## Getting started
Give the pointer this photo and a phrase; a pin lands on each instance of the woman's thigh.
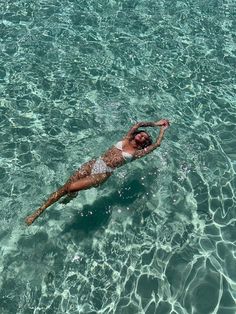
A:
(88, 182)
(82, 172)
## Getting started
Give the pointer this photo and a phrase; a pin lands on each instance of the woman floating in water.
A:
(135, 144)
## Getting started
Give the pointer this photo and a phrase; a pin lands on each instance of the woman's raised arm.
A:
(138, 125)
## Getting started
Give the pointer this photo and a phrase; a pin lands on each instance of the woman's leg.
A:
(70, 187)
(87, 182)
(84, 171)
(51, 200)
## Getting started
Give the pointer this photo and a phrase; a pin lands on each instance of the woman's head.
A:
(142, 138)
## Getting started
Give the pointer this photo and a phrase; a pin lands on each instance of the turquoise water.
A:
(160, 235)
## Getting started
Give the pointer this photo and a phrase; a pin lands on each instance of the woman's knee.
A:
(81, 184)
(87, 182)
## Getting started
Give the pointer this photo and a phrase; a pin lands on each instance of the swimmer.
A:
(135, 144)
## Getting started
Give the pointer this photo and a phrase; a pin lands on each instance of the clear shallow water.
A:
(159, 236)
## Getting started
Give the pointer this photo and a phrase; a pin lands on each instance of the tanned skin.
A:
(82, 179)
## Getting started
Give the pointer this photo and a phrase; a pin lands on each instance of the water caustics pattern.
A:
(160, 235)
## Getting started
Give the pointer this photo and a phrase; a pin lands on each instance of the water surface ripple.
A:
(160, 236)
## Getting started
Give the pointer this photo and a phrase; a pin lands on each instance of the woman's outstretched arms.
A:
(138, 125)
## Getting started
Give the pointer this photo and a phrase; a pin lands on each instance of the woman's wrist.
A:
(163, 123)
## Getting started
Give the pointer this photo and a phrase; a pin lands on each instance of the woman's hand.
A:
(164, 123)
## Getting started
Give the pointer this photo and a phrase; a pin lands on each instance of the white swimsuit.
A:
(127, 156)
(100, 165)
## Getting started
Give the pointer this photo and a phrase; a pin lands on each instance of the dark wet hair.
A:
(148, 141)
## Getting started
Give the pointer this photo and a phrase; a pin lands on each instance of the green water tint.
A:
(159, 235)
